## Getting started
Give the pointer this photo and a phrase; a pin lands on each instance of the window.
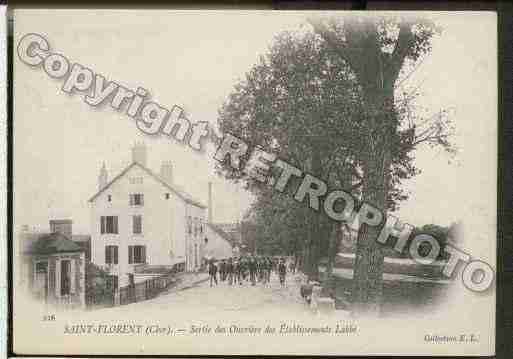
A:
(136, 254)
(136, 180)
(109, 198)
(112, 282)
(111, 254)
(195, 255)
(137, 224)
(65, 277)
(41, 267)
(167, 195)
(136, 199)
(189, 224)
(201, 226)
(109, 224)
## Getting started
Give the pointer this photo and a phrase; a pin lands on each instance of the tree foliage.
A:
(378, 50)
(296, 100)
(327, 101)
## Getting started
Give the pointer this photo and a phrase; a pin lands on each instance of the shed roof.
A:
(53, 243)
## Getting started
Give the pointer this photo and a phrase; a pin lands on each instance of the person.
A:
(269, 269)
(261, 269)
(236, 271)
(229, 270)
(245, 273)
(222, 270)
(243, 268)
(306, 290)
(292, 267)
(252, 270)
(212, 271)
(282, 272)
(264, 270)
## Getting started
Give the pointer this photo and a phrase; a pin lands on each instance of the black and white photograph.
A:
(220, 182)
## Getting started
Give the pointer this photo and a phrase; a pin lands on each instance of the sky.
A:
(194, 59)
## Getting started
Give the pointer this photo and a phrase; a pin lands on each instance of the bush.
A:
(97, 289)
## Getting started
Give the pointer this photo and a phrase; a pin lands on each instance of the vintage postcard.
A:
(254, 182)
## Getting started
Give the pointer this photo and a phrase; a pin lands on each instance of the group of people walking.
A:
(250, 269)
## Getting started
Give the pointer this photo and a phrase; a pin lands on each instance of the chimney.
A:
(103, 177)
(62, 226)
(139, 153)
(166, 172)
(210, 202)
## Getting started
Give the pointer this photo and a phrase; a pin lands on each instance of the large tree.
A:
(378, 50)
(326, 102)
(299, 102)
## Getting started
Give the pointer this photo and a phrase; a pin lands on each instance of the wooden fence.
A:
(148, 289)
(132, 293)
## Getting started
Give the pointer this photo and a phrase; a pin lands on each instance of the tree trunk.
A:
(328, 282)
(376, 72)
(367, 292)
(314, 219)
(333, 249)
(304, 266)
(313, 257)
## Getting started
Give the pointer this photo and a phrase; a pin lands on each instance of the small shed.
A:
(55, 269)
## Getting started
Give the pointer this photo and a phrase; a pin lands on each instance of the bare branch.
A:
(404, 44)
(331, 38)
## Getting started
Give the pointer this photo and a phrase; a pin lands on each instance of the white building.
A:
(142, 219)
(218, 244)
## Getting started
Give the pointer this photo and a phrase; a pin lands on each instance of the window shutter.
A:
(57, 278)
(130, 254)
(115, 254)
(137, 224)
(115, 224)
(107, 255)
(143, 254)
(137, 220)
(102, 225)
(72, 276)
(142, 199)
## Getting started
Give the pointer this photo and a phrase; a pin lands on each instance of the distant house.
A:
(231, 228)
(142, 219)
(53, 268)
(233, 231)
(218, 244)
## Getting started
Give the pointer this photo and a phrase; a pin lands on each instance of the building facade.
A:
(53, 269)
(141, 218)
(218, 244)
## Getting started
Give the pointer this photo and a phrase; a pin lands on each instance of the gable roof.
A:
(226, 236)
(53, 243)
(173, 188)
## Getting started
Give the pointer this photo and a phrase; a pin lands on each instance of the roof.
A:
(61, 221)
(175, 189)
(222, 233)
(80, 238)
(53, 243)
